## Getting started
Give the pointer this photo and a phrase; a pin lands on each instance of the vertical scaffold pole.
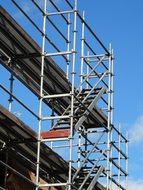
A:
(72, 93)
(87, 70)
(81, 80)
(79, 149)
(127, 154)
(82, 50)
(111, 70)
(11, 91)
(41, 95)
(109, 122)
(119, 155)
(68, 44)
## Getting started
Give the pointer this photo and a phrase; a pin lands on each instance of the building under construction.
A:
(56, 106)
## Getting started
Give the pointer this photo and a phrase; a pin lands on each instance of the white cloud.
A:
(136, 185)
(136, 132)
(132, 185)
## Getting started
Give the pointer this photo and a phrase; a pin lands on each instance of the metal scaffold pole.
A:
(82, 50)
(109, 127)
(119, 156)
(68, 44)
(72, 94)
(11, 91)
(111, 72)
(41, 95)
(127, 159)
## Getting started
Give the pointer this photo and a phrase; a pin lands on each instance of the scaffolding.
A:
(72, 76)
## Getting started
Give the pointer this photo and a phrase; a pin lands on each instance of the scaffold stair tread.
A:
(89, 109)
(85, 182)
(81, 112)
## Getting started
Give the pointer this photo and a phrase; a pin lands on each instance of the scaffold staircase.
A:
(85, 100)
(87, 175)
(87, 179)
(83, 105)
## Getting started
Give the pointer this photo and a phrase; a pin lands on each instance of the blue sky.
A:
(120, 22)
